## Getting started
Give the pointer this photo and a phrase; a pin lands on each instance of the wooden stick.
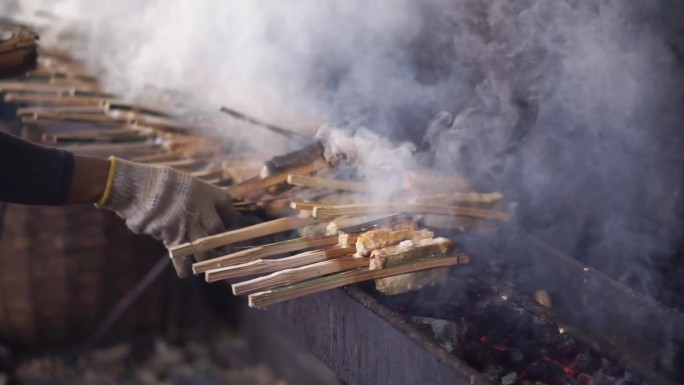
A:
(110, 147)
(46, 74)
(43, 87)
(246, 233)
(86, 118)
(79, 84)
(308, 181)
(216, 181)
(53, 99)
(292, 276)
(163, 124)
(241, 190)
(304, 206)
(169, 156)
(104, 134)
(181, 164)
(118, 105)
(264, 251)
(208, 173)
(334, 211)
(472, 197)
(434, 181)
(78, 109)
(270, 297)
(264, 266)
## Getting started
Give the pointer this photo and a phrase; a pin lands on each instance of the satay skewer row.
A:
(308, 181)
(295, 275)
(53, 100)
(270, 297)
(279, 225)
(256, 184)
(262, 251)
(265, 266)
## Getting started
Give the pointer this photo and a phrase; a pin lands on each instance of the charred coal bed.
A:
(489, 324)
(512, 344)
(482, 316)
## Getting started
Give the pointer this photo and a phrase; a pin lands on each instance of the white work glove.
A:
(170, 205)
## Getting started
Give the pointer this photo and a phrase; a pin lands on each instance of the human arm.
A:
(167, 204)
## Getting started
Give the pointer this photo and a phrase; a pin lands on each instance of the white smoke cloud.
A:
(569, 107)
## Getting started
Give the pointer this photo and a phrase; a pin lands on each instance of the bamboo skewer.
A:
(44, 88)
(334, 211)
(49, 74)
(270, 297)
(246, 233)
(104, 134)
(78, 109)
(264, 266)
(461, 198)
(181, 164)
(168, 157)
(118, 105)
(432, 181)
(308, 181)
(264, 251)
(208, 174)
(295, 275)
(304, 206)
(41, 99)
(241, 190)
(110, 147)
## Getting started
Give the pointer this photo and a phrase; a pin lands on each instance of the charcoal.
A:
(546, 333)
(538, 370)
(587, 362)
(500, 328)
(585, 379)
(565, 346)
(515, 356)
(509, 379)
(307, 154)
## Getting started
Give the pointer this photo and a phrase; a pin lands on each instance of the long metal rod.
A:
(279, 130)
(128, 300)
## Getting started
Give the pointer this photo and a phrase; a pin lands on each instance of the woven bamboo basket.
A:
(63, 269)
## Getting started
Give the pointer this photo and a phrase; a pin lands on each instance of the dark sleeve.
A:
(33, 174)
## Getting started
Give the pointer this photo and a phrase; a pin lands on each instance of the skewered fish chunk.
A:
(377, 239)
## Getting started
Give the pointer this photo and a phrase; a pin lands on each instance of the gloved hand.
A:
(170, 205)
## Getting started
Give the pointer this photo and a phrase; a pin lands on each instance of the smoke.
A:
(571, 108)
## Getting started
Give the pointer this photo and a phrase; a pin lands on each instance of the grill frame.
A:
(364, 342)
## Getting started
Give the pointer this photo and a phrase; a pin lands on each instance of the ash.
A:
(221, 360)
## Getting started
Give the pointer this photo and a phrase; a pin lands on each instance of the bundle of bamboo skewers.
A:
(327, 256)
